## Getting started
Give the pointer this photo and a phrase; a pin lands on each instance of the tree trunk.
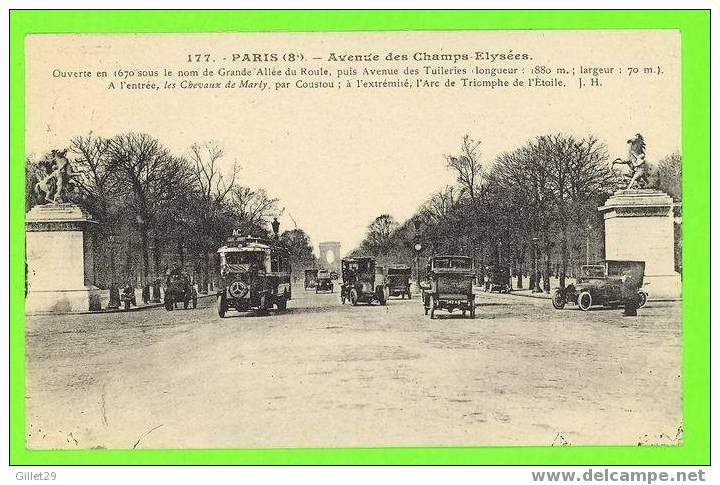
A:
(145, 253)
(533, 275)
(128, 262)
(519, 268)
(182, 253)
(563, 260)
(156, 255)
(206, 273)
(546, 276)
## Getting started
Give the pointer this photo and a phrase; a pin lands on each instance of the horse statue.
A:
(54, 185)
(636, 162)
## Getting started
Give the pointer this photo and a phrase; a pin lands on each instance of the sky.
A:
(337, 159)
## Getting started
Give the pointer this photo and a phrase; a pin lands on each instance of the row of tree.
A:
(534, 203)
(155, 209)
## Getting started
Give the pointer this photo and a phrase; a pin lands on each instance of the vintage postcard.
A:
(356, 239)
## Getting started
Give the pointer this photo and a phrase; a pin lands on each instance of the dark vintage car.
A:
(449, 285)
(178, 289)
(324, 282)
(310, 278)
(361, 282)
(497, 278)
(609, 283)
(254, 275)
(397, 280)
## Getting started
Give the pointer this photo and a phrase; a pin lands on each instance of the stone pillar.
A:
(639, 227)
(59, 257)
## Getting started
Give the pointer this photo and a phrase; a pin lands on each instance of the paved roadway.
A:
(322, 374)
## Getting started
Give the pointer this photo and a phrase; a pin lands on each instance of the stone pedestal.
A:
(59, 260)
(639, 227)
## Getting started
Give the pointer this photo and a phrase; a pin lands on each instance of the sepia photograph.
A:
(353, 239)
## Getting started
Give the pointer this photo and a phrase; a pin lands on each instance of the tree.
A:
(212, 191)
(669, 176)
(252, 209)
(579, 178)
(153, 179)
(97, 181)
(378, 234)
(33, 172)
(467, 167)
(298, 243)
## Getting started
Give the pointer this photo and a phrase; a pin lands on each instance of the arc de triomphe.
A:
(330, 255)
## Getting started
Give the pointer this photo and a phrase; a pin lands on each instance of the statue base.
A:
(59, 260)
(639, 227)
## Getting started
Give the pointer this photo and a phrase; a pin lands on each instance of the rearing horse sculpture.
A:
(53, 187)
(636, 162)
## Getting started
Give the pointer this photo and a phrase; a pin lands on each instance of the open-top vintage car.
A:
(497, 278)
(310, 278)
(254, 275)
(178, 289)
(609, 283)
(398, 280)
(324, 282)
(449, 286)
(361, 282)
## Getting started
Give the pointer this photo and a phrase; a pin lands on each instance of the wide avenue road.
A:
(322, 374)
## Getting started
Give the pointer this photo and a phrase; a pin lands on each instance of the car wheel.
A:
(353, 297)
(221, 306)
(642, 299)
(584, 301)
(558, 300)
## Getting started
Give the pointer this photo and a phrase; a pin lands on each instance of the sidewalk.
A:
(116, 310)
(526, 292)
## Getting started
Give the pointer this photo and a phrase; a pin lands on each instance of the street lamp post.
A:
(418, 247)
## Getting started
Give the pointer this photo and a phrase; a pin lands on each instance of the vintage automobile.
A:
(254, 275)
(398, 280)
(324, 282)
(497, 278)
(178, 289)
(310, 278)
(361, 282)
(449, 285)
(609, 283)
